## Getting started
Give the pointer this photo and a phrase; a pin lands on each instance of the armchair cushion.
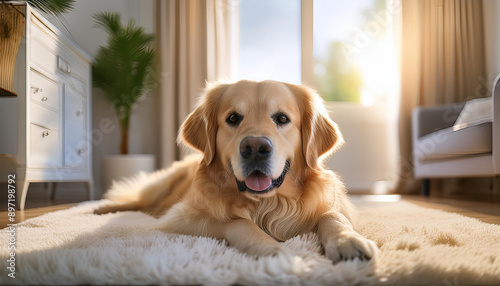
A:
(452, 142)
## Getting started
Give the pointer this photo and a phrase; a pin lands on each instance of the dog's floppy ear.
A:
(199, 130)
(320, 135)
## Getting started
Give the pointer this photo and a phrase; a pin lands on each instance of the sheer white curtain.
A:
(197, 43)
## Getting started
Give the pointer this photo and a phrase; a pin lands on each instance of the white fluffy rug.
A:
(418, 246)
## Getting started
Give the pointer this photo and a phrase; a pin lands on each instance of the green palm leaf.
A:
(54, 7)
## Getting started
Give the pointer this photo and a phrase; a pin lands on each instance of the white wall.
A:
(369, 152)
(144, 121)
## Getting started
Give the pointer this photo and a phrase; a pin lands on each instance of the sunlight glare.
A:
(367, 98)
(382, 198)
(378, 68)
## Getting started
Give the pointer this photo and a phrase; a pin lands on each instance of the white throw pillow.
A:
(476, 111)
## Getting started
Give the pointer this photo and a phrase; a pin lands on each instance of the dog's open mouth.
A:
(259, 183)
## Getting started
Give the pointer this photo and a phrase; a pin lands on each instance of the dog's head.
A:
(259, 131)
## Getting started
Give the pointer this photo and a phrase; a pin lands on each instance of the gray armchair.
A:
(444, 149)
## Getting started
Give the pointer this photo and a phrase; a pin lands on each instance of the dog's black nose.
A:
(256, 148)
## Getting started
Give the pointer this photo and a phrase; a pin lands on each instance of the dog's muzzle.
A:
(256, 153)
(262, 180)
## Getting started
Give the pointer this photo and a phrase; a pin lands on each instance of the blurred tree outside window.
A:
(353, 51)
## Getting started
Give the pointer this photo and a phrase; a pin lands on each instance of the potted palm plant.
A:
(123, 71)
(11, 32)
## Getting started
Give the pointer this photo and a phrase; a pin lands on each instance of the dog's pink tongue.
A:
(258, 182)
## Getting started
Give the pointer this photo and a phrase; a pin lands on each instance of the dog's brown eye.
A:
(234, 119)
(281, 119)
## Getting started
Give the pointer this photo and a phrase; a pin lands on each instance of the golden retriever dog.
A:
(260, 178)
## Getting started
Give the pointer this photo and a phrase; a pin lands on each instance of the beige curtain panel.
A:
(197, 43)
(442, 61)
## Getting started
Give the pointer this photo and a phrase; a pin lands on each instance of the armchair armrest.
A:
(426, 120)
(496, 125)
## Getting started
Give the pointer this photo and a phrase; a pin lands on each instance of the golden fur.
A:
(199, 195)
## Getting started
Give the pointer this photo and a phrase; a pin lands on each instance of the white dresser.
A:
(47, 126)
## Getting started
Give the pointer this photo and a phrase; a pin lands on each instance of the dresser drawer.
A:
(43, 48)
(57, 57)
(44, 90)
(76, 150)
(74, 108)
(45, 149)
(45, 117)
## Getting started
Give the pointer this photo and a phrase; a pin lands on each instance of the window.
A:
(352, 56)
(354, 59)
(270, 40)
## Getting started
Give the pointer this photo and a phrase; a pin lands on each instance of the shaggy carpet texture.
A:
(417, 246)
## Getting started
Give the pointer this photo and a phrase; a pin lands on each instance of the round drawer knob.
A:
(44, 98)
(81, 151)
(45, 133)
(78, 113)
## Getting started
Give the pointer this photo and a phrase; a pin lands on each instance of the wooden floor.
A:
(39, 203)
(486, 211)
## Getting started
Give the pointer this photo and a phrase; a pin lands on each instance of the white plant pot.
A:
(119, 167)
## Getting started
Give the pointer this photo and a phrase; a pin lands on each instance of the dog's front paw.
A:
(349, 245)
